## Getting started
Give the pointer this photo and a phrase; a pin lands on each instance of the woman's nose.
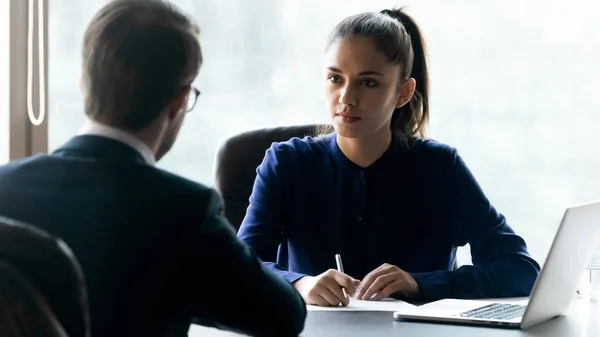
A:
(347, 96)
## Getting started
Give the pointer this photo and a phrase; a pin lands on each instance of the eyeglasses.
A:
(192, 99)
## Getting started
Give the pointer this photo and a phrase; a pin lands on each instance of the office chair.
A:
(237, 160)
(42, 288)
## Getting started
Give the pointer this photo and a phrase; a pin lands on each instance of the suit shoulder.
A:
(22, 162)
(181, 184)
(191, 198)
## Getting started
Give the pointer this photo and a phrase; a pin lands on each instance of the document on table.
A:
(387, 304)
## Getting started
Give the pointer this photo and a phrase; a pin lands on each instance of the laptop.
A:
(552, 293)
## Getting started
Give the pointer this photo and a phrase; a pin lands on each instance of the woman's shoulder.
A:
(430, 149)
(429, 158)
(305, 147)
(429, 146)
(296, 156)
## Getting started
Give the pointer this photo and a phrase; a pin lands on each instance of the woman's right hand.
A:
(326, 289)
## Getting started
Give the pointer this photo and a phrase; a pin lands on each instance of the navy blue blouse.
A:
(411, 208)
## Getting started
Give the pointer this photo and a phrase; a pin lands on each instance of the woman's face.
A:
(362, 87)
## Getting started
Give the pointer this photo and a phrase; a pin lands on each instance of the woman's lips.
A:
(347, 118)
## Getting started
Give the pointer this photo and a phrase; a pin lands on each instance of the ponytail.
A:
(411, 119)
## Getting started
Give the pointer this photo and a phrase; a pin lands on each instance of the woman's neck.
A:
(366, 150)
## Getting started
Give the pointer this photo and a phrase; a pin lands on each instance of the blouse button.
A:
(361, 174)
(358, 218)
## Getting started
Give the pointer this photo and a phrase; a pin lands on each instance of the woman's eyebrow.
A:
(362, 73)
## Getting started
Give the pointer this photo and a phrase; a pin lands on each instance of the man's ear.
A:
(406, 92)
(179, 103)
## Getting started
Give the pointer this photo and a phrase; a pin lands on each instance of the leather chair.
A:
(237, 160)
(41, 284)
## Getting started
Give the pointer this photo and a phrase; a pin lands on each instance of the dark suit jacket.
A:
(155, 248)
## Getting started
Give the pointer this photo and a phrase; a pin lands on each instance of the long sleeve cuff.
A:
(289, 276)
(434, 285)
(514, 277)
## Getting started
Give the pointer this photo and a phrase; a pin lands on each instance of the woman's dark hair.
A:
(396, 35)
(42, 289)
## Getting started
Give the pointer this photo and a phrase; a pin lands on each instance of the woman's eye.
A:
(369, 83)
(333, 78)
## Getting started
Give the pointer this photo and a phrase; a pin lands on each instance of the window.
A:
(4, 82)
(512, 88)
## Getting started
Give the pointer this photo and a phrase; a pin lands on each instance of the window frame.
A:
(25, 138)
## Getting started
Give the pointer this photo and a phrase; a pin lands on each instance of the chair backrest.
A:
(237, 160)
(25, 312)
(41, 284)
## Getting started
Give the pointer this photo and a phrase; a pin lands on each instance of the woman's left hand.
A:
(385, 281)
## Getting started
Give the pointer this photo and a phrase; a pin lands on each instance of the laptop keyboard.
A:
(499, 311)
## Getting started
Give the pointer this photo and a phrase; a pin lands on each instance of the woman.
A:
(393, 204)
(42, 290)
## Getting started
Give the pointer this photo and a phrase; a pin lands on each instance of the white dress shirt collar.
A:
(94, 128)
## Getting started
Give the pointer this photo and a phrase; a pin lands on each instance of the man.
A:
(155, 249)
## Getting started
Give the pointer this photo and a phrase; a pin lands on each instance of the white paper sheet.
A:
(386, 304)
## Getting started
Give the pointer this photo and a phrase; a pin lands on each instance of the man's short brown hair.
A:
(137, 56)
